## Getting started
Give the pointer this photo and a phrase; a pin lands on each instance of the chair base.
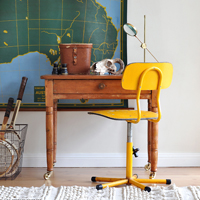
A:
(130, 178)
(129, 181)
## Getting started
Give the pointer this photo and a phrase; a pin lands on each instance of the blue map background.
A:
(34, 64)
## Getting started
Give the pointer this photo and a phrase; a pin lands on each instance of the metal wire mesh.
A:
(11, 151)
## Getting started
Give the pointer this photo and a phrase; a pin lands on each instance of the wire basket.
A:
(11, 151)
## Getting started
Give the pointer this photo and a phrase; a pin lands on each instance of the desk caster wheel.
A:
(147, 167)
(152, 175)
(47, 175)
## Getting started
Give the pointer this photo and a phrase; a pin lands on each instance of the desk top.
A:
(81, 77)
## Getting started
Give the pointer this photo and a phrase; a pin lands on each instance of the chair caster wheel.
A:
(135, 176)
(147, 167)
(152, 175)
(99, 187)
(93, 179)
(47, 175)
(148, 189)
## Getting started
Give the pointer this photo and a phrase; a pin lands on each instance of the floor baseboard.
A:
(113, 160)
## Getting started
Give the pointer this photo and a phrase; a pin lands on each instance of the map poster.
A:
(30, 34)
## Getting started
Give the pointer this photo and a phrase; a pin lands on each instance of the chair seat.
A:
(125, 114)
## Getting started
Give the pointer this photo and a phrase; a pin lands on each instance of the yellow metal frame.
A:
(139, 89)
(138, 76)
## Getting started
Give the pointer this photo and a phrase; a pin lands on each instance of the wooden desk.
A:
(90, 87)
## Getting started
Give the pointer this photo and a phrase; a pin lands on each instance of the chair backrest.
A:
(147, 76)
(133, 72)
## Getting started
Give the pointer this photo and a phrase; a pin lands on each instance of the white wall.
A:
(83, 140)
(172, 36)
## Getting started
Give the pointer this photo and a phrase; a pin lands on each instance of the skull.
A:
(107, 66)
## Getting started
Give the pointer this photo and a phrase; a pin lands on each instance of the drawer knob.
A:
(101, 86)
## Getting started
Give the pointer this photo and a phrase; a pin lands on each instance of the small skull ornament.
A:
(107, 66)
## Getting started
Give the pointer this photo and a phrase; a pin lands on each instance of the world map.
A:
(31, 31)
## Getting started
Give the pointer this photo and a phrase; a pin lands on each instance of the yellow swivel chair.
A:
(137, 76)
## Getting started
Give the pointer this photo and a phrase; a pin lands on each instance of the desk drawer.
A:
(88, 86)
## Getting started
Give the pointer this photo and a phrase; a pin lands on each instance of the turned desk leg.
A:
(154, 137)
(148, 166)
(54, 130)
(49, 127)
(49, 141)
(154, 147)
